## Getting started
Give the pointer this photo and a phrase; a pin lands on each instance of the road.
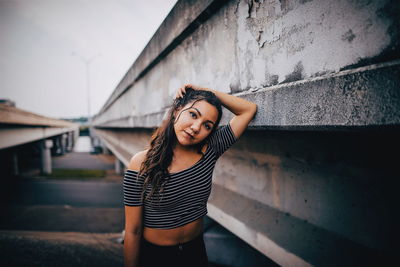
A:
(66, 192)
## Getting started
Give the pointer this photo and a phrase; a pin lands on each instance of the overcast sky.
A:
(44, 45)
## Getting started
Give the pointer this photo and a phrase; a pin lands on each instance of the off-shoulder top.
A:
(186, 192)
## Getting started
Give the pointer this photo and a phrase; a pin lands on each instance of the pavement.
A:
(40, 248)
(63, 222)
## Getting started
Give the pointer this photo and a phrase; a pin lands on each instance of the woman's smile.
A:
(188, 135)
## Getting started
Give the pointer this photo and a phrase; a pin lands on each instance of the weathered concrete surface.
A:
(338, 181)
(124, 143)
(313, 180)
(298, 39)
(171, 32)
(367, 96)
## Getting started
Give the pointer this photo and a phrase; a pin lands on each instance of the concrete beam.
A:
(15, 116)
(119, 166)
(124, 144)
(366, 96)
(45, 153)
(183, 19)
(14, 136)
(283, 238)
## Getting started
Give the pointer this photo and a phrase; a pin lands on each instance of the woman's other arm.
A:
(133, 222)
(244, 110)
(133, 234)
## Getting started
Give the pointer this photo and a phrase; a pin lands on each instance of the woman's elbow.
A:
(253, 109)
(136, 230)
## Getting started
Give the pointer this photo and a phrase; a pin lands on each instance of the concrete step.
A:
(287, 240)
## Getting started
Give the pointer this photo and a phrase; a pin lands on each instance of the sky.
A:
(54, 52)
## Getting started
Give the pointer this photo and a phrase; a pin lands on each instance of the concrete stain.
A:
(250, 9)
(273, 80)
(348, 36)
(297, 74)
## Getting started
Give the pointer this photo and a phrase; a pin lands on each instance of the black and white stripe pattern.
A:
(186, 192)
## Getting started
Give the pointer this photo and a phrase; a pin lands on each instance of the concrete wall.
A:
(315, 165)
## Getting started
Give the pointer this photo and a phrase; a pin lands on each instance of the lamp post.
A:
(87, 62)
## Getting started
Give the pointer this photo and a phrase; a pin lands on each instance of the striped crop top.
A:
(186, 192)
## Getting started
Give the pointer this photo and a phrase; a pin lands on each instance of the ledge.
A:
(10, 115)
(112, 143)
(285, 239)
(363, 97)
(10, 137)
(182, 21)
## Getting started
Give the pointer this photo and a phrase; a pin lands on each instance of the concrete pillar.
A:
(70, 141)
(15, 163)
(106, 150)
(95, 142)
(57, 145)
(46, 156)
(64, 143)
(119, 166)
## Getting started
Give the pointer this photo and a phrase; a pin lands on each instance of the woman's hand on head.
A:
(182, 90)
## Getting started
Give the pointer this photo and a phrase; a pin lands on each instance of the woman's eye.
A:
(208, 127)
(193, 115)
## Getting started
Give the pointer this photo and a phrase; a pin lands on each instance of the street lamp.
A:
(87, 62)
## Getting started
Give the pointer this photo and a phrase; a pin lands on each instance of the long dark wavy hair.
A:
(159, 156)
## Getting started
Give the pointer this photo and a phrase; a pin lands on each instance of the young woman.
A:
(166, 187)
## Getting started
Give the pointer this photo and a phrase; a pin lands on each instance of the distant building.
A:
(7, 102)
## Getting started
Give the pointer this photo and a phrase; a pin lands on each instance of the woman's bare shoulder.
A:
(136, 160)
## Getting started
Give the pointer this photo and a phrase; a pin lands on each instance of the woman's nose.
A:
(195, 127)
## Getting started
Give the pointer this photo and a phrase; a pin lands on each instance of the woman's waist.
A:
(170, 237)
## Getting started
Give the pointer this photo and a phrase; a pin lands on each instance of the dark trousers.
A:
(192, 253)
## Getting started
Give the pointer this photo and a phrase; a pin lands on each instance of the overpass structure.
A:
(313, 180)
(23, 132)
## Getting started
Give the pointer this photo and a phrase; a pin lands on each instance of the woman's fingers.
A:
(189, 85)
(182, 90)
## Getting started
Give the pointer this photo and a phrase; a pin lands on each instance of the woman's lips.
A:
(188, 135)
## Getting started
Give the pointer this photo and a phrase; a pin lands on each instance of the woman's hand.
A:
(181, 91)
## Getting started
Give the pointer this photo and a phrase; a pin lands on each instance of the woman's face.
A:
(194, 122)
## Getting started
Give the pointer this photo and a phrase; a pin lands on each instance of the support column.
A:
(119, 166)
(15, 163)
(57, 145)
(64, 143)
(46, 156)
(106, 150)
(69, 141)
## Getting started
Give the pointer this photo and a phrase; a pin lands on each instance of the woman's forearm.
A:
(236, 105)
(131, 249)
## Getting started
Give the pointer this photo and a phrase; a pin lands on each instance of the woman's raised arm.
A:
(244, 110)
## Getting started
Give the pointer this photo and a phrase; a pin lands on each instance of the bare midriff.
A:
(168, 237)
